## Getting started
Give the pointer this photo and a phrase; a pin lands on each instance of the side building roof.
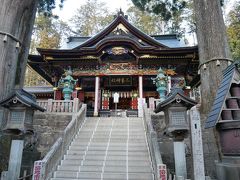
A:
(222, 93)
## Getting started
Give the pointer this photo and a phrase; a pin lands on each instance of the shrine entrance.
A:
(124, 103)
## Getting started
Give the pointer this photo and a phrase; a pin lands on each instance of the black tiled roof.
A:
(173, 95)
(222, 92)
(24, 97)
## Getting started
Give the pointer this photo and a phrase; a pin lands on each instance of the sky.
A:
(70, 7)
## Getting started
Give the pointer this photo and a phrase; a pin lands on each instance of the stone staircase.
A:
(107, 148)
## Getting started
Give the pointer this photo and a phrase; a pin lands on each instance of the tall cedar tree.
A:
(16, 19)
(16, 24)
(212, 44)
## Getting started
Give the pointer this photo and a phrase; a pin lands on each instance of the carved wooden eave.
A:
(141, 52)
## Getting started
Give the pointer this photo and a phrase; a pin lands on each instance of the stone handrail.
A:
(153, 103)
(158, 166)
(43, 169)
(60, 105)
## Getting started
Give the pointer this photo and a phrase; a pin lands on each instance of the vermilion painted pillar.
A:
(58, 95)
(81, 96)
(97, 79)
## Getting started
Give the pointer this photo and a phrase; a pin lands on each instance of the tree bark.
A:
(16, 20)
(212, 44)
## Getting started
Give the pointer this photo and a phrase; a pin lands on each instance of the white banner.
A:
(116, 97)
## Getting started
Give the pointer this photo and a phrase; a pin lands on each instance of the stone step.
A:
(113, 176)
(92, 143)
(127, 151)
(112, 147)
(110, 153)
(116, 169)
(138, 163)
(110, 158)
(130, 140)
(111, 144)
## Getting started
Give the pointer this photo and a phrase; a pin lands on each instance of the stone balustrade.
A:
(60, 106)
(160, 170)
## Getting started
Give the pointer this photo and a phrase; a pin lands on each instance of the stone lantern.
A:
(21, 105)
(175, 108)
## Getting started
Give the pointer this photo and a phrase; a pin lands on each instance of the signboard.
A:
(38, 165)
(162, 172)
(116, 97)
(120, 81)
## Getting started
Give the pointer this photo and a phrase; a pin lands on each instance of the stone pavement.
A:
(107, 148)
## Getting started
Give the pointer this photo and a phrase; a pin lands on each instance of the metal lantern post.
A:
(161, 82)
(68, 84)
(175, 108)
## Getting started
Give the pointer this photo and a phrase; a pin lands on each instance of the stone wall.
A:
(48, 127)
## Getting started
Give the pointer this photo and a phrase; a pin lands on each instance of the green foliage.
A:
(48, 33)
(146, 22)
(170, 11)
(91, 17)
(173, 12)
(233, 31)
(166, 8)
(48, 5)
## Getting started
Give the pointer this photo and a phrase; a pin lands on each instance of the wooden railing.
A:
(60, 106)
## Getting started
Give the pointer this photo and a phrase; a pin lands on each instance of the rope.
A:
(11, 36)
(215, 59)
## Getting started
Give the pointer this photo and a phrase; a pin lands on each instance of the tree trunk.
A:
(212, 44)
(16, 20)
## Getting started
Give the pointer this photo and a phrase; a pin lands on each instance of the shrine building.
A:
(121, 59)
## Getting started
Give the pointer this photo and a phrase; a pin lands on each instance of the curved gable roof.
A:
(120, 19)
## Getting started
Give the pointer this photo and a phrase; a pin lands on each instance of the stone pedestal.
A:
(141, 101)
(229, 168)
(151, 103)
(4, 175)
(180, 159)
(15, 159)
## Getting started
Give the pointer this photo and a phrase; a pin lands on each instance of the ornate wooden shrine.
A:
(120, 59)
